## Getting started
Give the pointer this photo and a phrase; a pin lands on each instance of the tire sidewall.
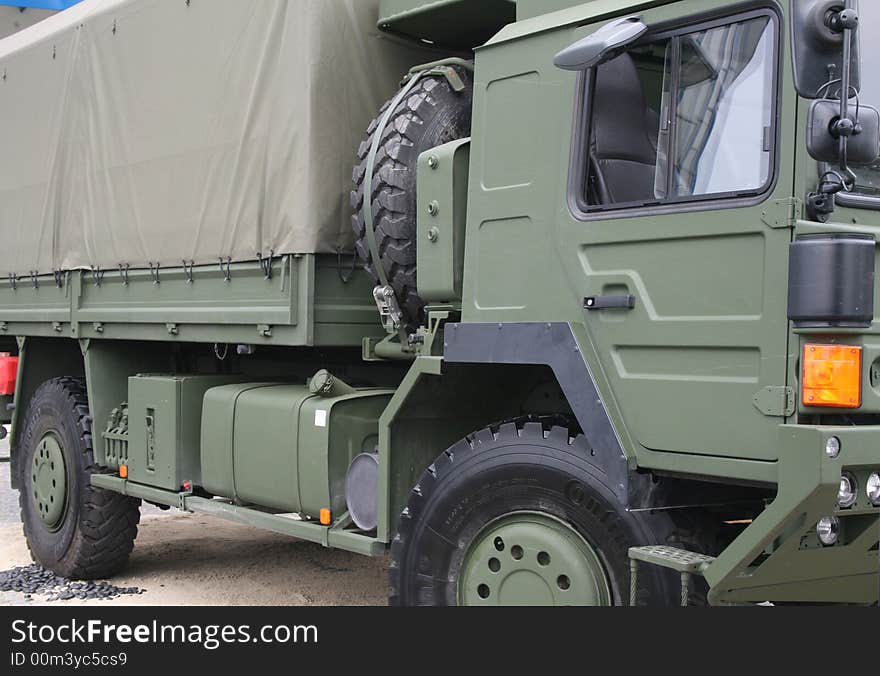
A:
(518, 476)
(50, 413)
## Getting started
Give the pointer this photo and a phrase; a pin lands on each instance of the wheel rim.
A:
(531, 559)
(49, 481)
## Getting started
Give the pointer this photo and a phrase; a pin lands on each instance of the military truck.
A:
(592, 323)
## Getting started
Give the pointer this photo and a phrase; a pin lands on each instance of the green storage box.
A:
(164, 414)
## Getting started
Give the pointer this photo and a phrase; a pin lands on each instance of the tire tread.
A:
(689, 531)
(107, 521)
(393, 188)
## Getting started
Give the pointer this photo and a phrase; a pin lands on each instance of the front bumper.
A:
(778, 557)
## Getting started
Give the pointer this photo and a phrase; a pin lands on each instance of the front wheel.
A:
(519, 515)
(72, 528)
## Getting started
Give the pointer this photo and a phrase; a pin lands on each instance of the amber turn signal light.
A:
(123, 471)
(325, 517)
(832, 376)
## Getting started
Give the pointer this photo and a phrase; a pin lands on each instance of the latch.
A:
(151, 438)
(389, 310)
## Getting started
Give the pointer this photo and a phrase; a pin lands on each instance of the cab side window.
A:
(684, 117)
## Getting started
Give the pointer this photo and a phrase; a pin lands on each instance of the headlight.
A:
(828, 530)
(873, 489)
(846, 496)
(832, 447)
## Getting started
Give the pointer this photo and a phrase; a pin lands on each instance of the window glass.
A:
(724, 108)
(684, 117)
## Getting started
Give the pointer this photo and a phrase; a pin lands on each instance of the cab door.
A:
(680, 213)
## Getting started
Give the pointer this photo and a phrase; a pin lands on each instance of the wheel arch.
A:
(438, 404)
(490, 373)
(554, 345)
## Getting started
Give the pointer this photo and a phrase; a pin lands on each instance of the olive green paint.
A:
(49, 481)
(697, 379)
(778, 556)
(328, 536)
(164, 427)
(304, 302)
(108, 365)
(283, 447)
(441, 216)
(709, 328)
(530, 559)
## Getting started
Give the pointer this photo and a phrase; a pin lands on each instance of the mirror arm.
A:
(846, 22)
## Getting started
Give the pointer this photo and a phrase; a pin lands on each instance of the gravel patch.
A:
(35, 579)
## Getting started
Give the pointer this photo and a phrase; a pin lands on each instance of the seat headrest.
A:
(620, 114)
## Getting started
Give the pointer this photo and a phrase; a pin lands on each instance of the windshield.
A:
(869, 26)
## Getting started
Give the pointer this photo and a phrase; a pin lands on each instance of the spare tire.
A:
(432, 114)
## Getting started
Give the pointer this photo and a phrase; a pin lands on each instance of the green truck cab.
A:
(602, 331)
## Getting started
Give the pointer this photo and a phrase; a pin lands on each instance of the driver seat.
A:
(623, 139)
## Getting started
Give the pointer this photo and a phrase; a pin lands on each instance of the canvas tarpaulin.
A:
(139, 131)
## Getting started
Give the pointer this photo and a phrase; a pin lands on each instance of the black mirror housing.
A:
(817, 49)
(863, 148)
(603, 45)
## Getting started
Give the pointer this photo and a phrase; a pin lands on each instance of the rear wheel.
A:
(71, 527)
(519, 515)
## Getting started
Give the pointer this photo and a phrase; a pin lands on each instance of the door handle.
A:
(624, 302)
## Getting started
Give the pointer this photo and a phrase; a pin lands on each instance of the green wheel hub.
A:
(531, 559)
(49, 481)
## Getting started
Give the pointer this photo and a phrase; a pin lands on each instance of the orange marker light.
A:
(325, 517)
(832, 376)
(123, 471)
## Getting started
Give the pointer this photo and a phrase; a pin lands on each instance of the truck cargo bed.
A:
(304, 301)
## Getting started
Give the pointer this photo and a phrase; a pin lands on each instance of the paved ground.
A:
(188, 559)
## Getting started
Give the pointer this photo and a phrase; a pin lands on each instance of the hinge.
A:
(776, 402)
(782, 213)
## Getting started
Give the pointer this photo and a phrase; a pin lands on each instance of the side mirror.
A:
(823, 142)
(606, 43)
(817, 42)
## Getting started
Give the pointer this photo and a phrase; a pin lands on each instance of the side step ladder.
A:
(684, 562)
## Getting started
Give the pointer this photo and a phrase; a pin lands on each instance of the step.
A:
(679, 560)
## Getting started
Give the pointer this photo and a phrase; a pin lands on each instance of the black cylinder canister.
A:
(831, 281)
